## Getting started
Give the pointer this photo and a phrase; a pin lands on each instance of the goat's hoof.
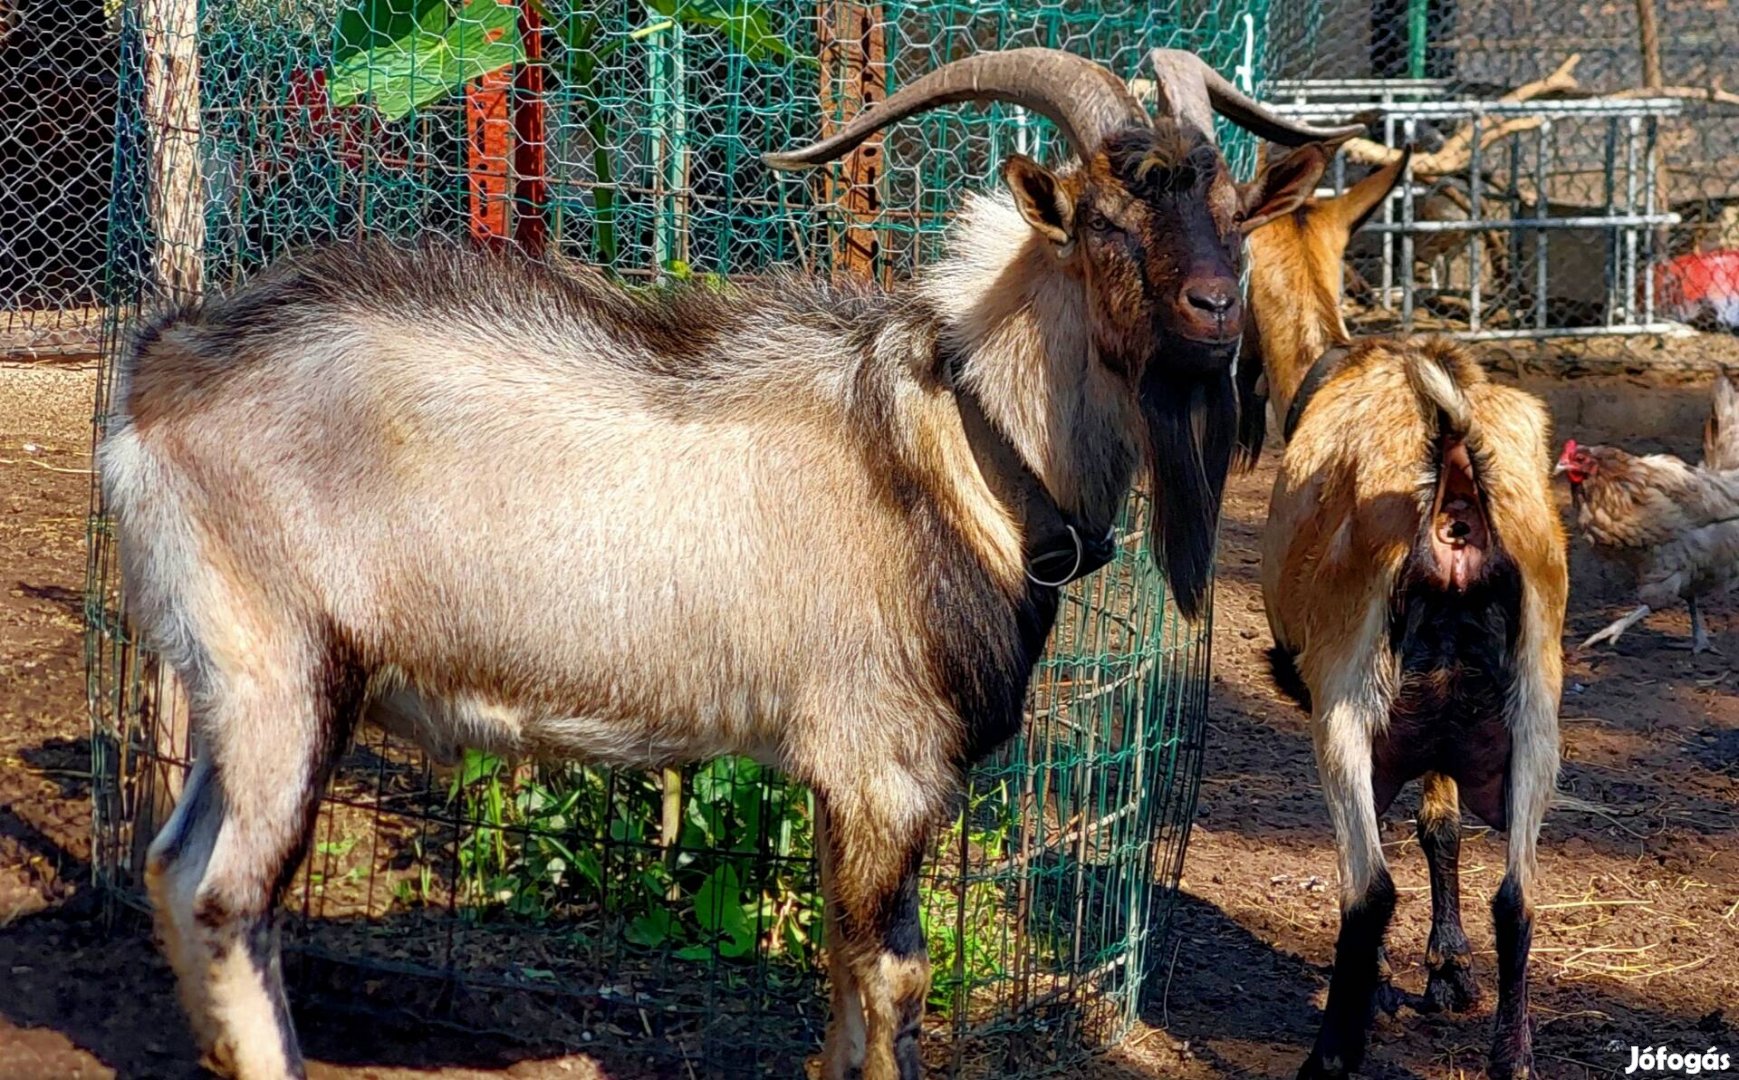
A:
(1389, 997)
(1521, 1069)
(1512, 1056)
(1316, 1067)
(1450, 988)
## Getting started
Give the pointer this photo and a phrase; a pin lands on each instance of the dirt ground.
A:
(1636, 938)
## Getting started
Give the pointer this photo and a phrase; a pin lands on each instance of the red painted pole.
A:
(531, 149)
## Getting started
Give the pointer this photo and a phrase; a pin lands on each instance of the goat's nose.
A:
(1208, 309)
(1212, 298)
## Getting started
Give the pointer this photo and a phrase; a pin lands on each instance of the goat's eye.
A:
(1097, 222)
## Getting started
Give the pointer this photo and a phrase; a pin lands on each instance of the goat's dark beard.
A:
(1192, 426)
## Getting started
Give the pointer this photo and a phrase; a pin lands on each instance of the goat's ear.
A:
(1282, 186)
(1354, 206)
(1041, 199)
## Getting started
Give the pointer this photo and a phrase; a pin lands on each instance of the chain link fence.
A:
(1578, 162)
(57, 111)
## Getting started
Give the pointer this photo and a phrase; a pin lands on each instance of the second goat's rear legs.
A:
(1448, 957)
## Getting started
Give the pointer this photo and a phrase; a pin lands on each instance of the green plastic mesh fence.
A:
(668, 922)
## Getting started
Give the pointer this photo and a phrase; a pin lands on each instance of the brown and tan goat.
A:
(490, 505)
(1415, 576)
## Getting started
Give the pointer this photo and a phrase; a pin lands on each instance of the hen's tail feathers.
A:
(1434, 382)
(1721, 429)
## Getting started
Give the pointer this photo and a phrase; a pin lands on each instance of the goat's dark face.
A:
(1155, 225)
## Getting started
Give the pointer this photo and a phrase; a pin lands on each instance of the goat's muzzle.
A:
(1209, 311)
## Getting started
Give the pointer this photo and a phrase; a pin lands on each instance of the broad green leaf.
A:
(378, 24)
(484, 38)
(717, 898)
(413, 52)
(743, 22)
(651, 929)
(386, 48)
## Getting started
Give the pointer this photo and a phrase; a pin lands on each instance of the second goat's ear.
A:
(1354, 206)
(1282, 186)
(1041, 199)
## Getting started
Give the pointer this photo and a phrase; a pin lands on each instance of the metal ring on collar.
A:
(1073, 570)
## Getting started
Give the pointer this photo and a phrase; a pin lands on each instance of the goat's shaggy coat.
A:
(1415, 578)
(488, 505)
(1414, 569)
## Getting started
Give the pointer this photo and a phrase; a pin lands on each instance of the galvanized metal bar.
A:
(1389, 222)
(1542, 153)
(1476, 215)
(1614, 256)
(1650, 186)
(1438, 110)
(1410, 127)
(1583, 221)
(1576, 331)
(1630, 205)
(1513, 200)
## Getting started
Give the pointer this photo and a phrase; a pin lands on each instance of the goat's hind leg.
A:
(1533, 772)
(1367, 895)
(217, 869)
(1448, 957)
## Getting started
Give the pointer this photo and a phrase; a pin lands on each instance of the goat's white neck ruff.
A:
(1019, 320)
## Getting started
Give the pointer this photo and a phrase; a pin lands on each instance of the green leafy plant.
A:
(403, 54)
(515, 855)
(531, 849)
(966, 925)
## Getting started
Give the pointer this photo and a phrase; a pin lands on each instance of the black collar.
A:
(1320, 372)
(1057, 546)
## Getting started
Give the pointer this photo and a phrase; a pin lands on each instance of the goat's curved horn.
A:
(1191, 92)
(1083, 99)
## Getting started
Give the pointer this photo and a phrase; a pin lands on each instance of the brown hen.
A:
(1676, 525)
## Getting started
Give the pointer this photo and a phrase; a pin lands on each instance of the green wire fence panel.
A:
(668, 922)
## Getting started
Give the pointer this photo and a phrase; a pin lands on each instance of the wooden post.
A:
(1648, 29)
(165, 742)
(175, 193)
(853, 47)
(175, 206)
(1649, 42)
(531, 140)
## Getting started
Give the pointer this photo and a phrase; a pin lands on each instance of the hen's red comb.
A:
(1569, 450)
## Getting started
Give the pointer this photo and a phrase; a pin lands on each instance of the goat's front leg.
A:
(1367, 895)
(873, 844)
(843, 1051)
(1448, 958)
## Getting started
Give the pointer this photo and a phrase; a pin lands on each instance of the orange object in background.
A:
(1701, 288)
